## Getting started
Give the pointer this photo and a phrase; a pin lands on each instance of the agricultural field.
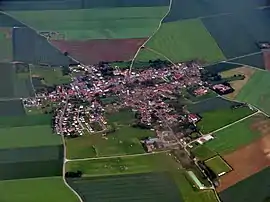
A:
(31, 136)
(266, 58)
(29, 47)
(6, 45)
(41, 189)
(17, 85)
(95, 51)
(185, 9)
(213, 104)
(101, 23)
(218, 165)
(237, 135)
(9, 22)
(50, 76)
(254, 188)
(257, 60)
(221, 66)
(152, 187)
(202, 152)
(213, 120)
(197, 43)
(238, 84)
(256, 91)
(11, 108)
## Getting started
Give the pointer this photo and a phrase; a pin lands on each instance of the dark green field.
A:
(256, 60)
(5, 45)
(220, 67)
(150, 187)
(202, 152)
(253, 189)
(11, 108)
(213, 104)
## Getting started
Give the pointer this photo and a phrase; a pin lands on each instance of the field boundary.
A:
(153, 34)
(227, 164)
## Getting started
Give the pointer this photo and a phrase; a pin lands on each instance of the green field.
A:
(28, 136)
(183, 41)
(202, 152)
(51, 76)
(124, 141)
(256, 91)
(38, 189)
(233, 137)
(122, 117)
(144, 164)
(101, 23)
(218, 165)
(213, 120)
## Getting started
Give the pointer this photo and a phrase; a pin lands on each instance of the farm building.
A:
(195, 180)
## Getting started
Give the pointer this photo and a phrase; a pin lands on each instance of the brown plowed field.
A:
(94, 51)
(249, 159)
(266, 57)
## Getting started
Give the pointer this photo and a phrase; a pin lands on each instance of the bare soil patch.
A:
(239, 84)
(266, 57)
(249, 159)
(95, 51)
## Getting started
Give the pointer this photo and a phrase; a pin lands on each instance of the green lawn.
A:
(218, 165)
(52, 76)
(28, 136)
(144, 164)
(233, 137)
(122, 117)
(256, 91)
(213, 120)
(202, 152)
(100, 23)
(182, 41)
(124, 141)
(33, 190)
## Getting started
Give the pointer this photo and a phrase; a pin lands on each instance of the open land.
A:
(236, 136)
(41, 189)
(20, 121)
(254, 188)
(203, 153)
(213, 120)
(266, 56)
(238, 84)
(94, 51)
(249, 159)
(11, 108)
(197, 43)
(256, 91)
(101, 23)
(6, 45)
(218, 165)
(30, 136)
(254, 60)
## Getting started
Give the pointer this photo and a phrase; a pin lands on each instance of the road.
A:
(65, 149)
(119, 156)
(150, 37)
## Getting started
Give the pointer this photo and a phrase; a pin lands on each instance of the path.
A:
(118, 156)
(65, 150)
(150, 37)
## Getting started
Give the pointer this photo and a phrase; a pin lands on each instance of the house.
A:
(193, 118)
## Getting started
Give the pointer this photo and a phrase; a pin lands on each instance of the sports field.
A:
(183, 41)
(254, 188)
(236, 136)
(256, 91)
(124, 140)
(38, 189)
(101, 23)
(28, 136)
(218, 165)
(213, 120)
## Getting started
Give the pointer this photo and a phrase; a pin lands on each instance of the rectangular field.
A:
(241, 192)
(256, 91)
(202, 152)
(183, 41)
(28, 136)
(150, 187)
(236, 136)
(217, 119)
(218, 165)
(101, 23)
(12, 108)
(6, 45)
(38, 189)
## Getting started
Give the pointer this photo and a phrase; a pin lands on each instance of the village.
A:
(80, 106)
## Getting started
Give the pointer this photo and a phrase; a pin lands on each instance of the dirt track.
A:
(249, 159)
(266, 56)
(94, 51)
